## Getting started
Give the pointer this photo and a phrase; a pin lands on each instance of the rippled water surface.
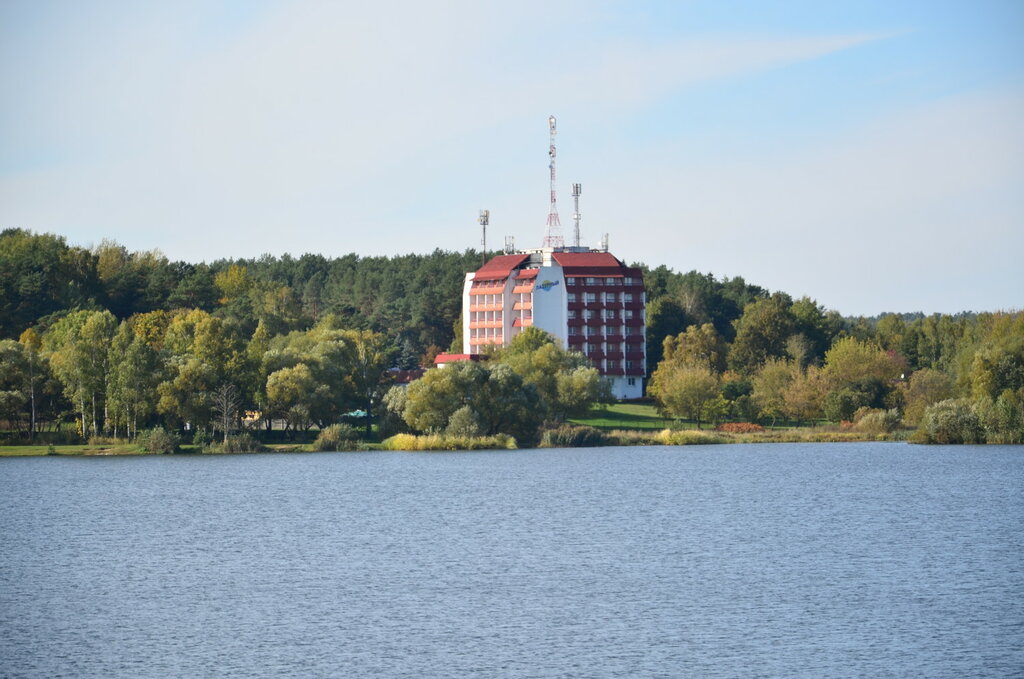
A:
(836, 560)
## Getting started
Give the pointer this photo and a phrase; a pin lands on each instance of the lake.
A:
(778, 560)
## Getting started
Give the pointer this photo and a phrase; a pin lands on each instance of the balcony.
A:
(484, 340)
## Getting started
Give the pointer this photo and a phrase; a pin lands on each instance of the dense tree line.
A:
(960, 379)
(120, 340)
(414, 299)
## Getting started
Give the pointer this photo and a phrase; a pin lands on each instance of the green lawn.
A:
(75, 449)
(625, 416)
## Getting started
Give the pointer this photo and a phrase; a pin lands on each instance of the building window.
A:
(591, 296)
(572, 313)
(571, 280)
(628, 280)
(613, 364)
(609, 314)
(573, 330)
(627, 296)
(591, 348)
(591, 280)
(627, 314)
(572, 296)
(629, 365)
(631, 381)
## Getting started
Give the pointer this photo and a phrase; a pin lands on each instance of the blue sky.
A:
(867, 154)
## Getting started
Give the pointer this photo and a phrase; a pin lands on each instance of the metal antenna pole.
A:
(553, 236)
(484, 219)
(576, 190)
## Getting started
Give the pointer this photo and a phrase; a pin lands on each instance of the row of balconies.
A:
(616, 354)
(485, 340)
(614, 323)
(600, 321)
(619, 372)
(579, 284)
(607, 337)
(598, 304)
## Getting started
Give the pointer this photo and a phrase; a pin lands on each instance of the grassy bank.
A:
(619, 424)
(133, 449)
(625, 416)
(582, 436)
(71, 449)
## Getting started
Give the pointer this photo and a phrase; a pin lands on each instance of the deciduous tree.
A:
(684, 390)
(925, 387)
(761, 333)
(78, 346)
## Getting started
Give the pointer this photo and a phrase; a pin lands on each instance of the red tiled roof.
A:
(499, 267)
(590, 263)
(455, 358)
(527, 273)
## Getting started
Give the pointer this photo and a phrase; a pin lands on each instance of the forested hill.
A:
(414, 300)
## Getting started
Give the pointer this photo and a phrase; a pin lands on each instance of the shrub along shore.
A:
(565, 436)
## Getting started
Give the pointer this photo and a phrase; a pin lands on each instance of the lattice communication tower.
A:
(577, 189)
(553, 235)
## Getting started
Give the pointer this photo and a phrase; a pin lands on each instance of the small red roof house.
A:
(441, 360)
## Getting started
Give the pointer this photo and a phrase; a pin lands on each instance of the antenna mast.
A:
(553, 236)
(576, 190)
(485, 217)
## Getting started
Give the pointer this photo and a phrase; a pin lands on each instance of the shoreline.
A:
(640, 439)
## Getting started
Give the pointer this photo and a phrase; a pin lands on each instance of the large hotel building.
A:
(586, 298)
